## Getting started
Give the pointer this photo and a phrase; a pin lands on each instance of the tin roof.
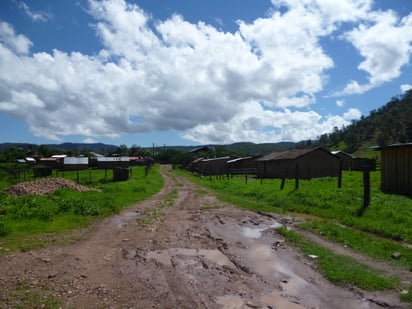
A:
(392, 146)
(290, 154)
(239, 159)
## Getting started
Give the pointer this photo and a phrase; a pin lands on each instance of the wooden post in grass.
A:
(366, 188)
(340, 174)
(282, 184)
(366, 191)
(297, 177)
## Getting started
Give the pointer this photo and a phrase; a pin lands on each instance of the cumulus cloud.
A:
(256, 84)
(9, 39)
(405, 87)
(384, 41)
(352, 114)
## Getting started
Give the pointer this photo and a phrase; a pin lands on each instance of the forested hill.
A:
(390, 124)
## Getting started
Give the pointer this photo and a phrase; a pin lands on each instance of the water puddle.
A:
(165, 256)
(124, 218)
(276, 300)
(256, 233)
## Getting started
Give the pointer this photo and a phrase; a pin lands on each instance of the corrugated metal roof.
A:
(337, 152)
(216, 159)
(391, 146)
(289, 154)
(238, 159)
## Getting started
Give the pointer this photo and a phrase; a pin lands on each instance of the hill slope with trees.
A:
(390, 124)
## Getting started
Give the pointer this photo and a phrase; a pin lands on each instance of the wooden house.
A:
(298, 164)
(396, 169)
(214, 166)
(244, 165)
(345, 159)
(351, 163)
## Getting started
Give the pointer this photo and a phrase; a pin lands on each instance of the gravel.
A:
(43, 186)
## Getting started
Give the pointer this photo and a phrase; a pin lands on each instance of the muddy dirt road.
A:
(194, 252)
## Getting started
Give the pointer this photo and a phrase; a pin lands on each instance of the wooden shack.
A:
(351, 163)
(298, 164)
(214, 166)
(244, 165)
(396, 169)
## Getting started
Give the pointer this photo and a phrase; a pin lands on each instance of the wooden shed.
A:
(396, 169)
(299, 163)
(214, 166)
(351, 163)
(345, 159)
(244, 165)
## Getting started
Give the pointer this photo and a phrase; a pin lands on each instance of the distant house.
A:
(200, 149)
(345, 159)
(351, 163)
(75, 163)
(194, 166)
(298, 163)
(112, 162)
(214, 166)
(396, 168)
(244, 165)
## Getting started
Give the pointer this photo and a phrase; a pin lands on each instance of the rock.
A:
(396, 256)
(312, 256)
(252, 305)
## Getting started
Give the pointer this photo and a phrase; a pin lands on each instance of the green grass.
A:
(371, 245)
(25, 295)
(31, 221)
(388, 215)
(152, 215)
(339, 269)
(332, 212)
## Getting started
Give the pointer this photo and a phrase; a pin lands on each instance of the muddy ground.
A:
(194, 253)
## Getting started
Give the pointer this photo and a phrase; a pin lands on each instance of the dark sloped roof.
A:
(290, 154)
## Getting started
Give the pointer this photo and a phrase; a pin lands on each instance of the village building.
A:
(298, 164)
(396, 168)
(214, 166)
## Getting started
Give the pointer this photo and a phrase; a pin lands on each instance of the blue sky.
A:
(183, 72)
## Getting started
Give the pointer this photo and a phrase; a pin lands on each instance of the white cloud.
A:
(406, 87)
(153, 75)
(18, 43)
(384, 41)
(255, 123)
(340, 103)
(36, 16)
(352, 114)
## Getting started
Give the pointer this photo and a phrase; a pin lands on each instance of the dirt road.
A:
(194, 252)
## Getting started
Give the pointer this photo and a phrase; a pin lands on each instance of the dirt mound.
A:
(43, 186)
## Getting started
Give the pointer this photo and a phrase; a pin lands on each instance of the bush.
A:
(4, 230)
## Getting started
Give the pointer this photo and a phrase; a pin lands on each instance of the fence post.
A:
(366, 188)
(297, 177)
(340, 174)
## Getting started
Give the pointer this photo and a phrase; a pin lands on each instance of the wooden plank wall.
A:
(396, 174)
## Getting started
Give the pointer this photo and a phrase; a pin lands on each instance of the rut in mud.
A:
(194, 253)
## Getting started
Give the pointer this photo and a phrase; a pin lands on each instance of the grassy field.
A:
(31, 221)
(385, 226)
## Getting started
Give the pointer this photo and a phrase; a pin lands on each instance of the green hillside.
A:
(390, 124)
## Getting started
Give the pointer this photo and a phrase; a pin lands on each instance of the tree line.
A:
(390, 124)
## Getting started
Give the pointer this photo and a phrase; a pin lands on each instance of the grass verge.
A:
(29, 222)
(339, 269)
